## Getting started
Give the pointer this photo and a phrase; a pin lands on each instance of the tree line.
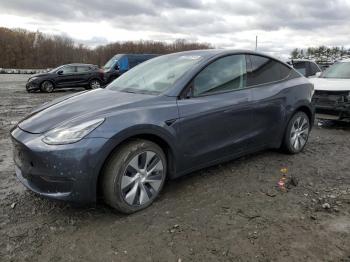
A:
(20, 48)
(321, 54)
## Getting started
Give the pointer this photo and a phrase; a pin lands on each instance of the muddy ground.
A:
(229, 212)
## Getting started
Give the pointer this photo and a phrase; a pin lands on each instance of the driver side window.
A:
(225, 74)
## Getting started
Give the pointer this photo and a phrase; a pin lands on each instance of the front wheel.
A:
(47, 86)
(134, 176)
(297, 133)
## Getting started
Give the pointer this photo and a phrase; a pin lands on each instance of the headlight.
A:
(71, 134)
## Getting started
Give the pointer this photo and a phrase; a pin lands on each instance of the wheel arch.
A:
(308, 110)
(158, 139)
(49, 80)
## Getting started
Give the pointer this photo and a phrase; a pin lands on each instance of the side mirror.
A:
(60, 72)
(318, 74)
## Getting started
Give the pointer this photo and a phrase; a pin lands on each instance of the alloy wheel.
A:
(142, 178)
(299, 133)
(95, 84)
(48, 86)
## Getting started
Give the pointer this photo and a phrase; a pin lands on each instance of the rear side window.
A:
(264, 70)
(314, 68)
(83, 69)
(132, 61)
(225, 74)
(300, 67)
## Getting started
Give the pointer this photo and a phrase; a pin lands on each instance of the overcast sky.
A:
(280, 25)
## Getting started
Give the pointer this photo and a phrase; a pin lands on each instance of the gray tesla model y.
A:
(162, 119)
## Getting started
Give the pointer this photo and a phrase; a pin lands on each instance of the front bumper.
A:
(32, 86)
(332, 104)
(63, 172)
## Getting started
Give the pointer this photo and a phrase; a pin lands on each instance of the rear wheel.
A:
(134, 176)
(297, 133)
(95, 83)
(47, 86)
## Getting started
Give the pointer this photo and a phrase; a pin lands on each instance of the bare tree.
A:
(24, 49)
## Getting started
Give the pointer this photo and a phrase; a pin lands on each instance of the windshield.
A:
(338, 70)
(111, 62)
(55, 69)
(156, 75)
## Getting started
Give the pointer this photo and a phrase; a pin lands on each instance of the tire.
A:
(126, 185)
(297, 133)
(94, 84)
(47, 86)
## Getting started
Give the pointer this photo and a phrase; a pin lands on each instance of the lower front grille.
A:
(331, 99)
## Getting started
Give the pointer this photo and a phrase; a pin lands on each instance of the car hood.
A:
(331, 84)
(39, 75)
(85, 105)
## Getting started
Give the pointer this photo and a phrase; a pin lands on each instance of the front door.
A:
(215, 121)
(66, 76)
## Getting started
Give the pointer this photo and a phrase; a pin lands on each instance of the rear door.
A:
(83, 75)
(215, 118)
(267, 80)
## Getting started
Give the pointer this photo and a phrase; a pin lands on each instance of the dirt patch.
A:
(229, 212)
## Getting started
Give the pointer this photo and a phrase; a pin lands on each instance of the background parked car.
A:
(307, 68)
(71, 75)
(121, 63)
(332, 92)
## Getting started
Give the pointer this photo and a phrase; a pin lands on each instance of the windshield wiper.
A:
(128, 91)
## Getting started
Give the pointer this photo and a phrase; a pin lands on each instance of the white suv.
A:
(332, 92)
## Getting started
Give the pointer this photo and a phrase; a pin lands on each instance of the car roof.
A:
(208, 53)
(78, 64)
(302, 60)
(347, 60)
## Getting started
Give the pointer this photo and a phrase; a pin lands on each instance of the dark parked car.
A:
(72, 75)
(164, 118)
(307, 68)
(121, 63)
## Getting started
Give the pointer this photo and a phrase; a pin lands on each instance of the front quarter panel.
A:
(154, 117)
